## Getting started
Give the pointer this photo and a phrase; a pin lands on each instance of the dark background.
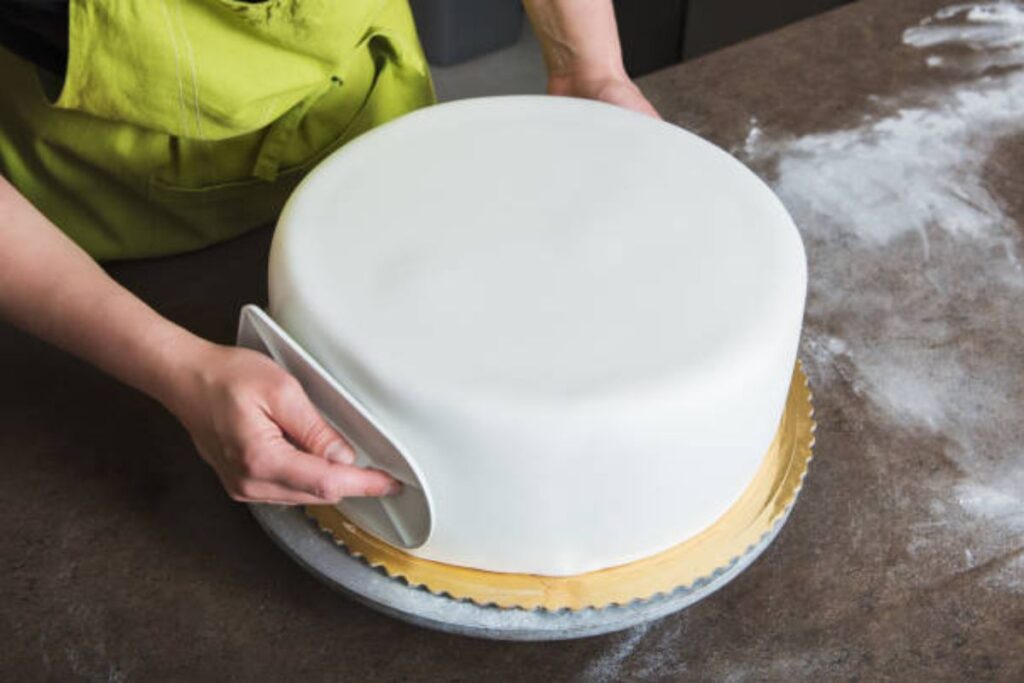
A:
(654, 33)
(659, 33)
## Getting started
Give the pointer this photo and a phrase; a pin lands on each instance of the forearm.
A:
(579, 38)
(247, 416)
(52, 289)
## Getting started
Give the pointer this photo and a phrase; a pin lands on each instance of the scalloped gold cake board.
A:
(769, 496)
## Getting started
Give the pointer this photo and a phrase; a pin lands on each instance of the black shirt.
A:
(36, 30)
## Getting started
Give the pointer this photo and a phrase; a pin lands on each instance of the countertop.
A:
(900, 156)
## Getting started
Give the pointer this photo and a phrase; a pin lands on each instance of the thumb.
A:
(297, 417)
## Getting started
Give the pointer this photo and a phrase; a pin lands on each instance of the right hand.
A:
(249, 418)
(253, 423)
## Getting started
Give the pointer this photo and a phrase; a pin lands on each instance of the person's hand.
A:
(615, 89)
(252, 422)
(580, 42)
(249, 418)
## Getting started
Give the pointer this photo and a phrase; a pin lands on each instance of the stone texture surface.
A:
(121, 559)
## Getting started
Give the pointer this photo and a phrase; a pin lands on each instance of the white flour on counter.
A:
(608, 666)
(912, 181)
(985, 28)
(918, 169)
(865, 194)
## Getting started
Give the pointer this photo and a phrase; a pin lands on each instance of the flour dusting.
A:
(906, 240)
(983, 37)
(914, 181)
(921, 168)
(981, 27)
(916, 171)
(608, 667)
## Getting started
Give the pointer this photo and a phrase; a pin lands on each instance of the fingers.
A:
(251, 491)
(296, 415)
(626, 94)
(285, 452)
(288, 476)
(275, 471)
(635, 100)
(306, 473)
(645, 107)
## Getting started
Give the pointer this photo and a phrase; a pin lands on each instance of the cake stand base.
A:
(299, 536)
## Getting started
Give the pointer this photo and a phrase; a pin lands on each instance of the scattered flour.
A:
(984, 27)
(983, 37)
(919, 169)
(752, 144)
(914, 171)
(657, 661)
(608, 666)
(913, 182)
(918, 173)
(821, 353)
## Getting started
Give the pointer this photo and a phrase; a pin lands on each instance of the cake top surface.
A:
(535, 248)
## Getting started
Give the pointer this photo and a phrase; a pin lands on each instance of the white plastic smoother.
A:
(403, 520)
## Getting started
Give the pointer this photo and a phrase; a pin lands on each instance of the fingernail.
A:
(340, 453)
(393, 489)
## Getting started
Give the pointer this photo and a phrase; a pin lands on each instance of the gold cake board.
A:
(765, 501)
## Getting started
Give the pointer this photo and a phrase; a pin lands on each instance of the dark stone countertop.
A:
(121, 559)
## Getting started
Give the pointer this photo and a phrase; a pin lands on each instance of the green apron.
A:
(186, 122)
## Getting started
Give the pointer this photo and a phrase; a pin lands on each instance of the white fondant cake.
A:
(579, 322)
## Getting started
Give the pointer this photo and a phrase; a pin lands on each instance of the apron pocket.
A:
(249, 201)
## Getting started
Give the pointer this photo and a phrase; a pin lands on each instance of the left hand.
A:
(580, 42)
(613, 89)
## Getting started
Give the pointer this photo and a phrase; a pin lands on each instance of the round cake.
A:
(578, 322)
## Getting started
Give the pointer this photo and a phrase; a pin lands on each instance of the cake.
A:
(578, 322)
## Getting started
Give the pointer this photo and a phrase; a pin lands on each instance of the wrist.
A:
(179, 361)
(579, 39)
